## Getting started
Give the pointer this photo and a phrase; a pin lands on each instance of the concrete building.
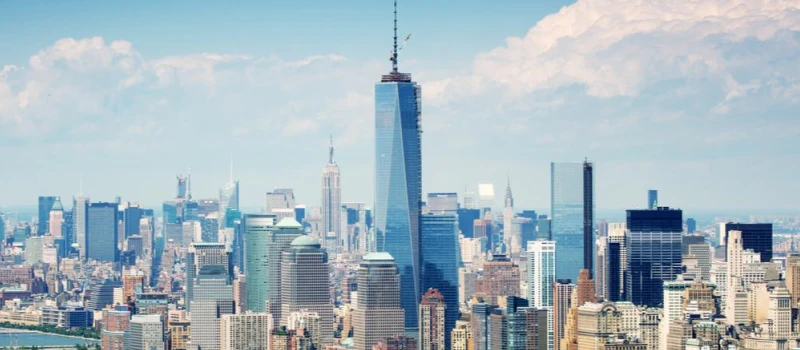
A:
(249, 330)
(378, 315)
(501, 277)
(146, 332)
(432, 321)
(305, 284)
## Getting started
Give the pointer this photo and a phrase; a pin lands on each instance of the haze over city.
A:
(695, 99)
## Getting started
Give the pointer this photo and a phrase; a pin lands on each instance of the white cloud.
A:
(618, 48)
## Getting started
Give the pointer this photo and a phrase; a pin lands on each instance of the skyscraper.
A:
(432, 321)
(562, 302)
(512, 235)
(45, 204)
(280, 202)
(56, 219)
(572, 214)
(257, 230)
(379, 314)
(500, 278)
(757, 237)
(228, 199)
(305, 284)
(213, 298)
(201, 255)
(265, 243)
(653, 252)
(652, 199)
(439, 253)
(331, 198)
(398, 177)
(541, 276)
(101, 232)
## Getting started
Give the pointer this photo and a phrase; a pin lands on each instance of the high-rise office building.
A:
(45, 204)
(355, 235)
(258, 230)
(379, 314)
(562, 302)
(101, 232)
(305, 284)
(432, 321)
(480, 321)
(146, 332)
(398, 178)
(332, 198)
(280, 202)
(541, 278)
(572, 215)
(757, 237)
(228, 199)
(792, 276)
(439, 254)
(130, 219)
(442, 202)
(200, 255)
(55, 219)
(501, 277)
(691, 225)
(512, 234)
(212, 298)
(653, 253)
(249, 330)
(652, 199)
(735, 261)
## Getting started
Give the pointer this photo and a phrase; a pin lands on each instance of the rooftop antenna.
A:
(394, 52)
(330, 155)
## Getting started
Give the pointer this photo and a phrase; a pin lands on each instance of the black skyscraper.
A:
(654, 253)
(757, 237)
(614, 271)
(588, 217)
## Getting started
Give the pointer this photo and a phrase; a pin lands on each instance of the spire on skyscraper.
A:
(509, 197)
(330, 151)
(394, 51)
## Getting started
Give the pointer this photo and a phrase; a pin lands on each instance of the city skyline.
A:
(643, 127)
(621, 97)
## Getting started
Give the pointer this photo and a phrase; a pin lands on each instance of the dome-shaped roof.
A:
(305, 241)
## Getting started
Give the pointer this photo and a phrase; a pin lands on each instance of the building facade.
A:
(572, 215)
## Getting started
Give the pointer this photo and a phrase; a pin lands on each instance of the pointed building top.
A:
(509, 196)
(330, 151)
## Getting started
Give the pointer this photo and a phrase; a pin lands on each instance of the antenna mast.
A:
(330, 155)
(394, 56)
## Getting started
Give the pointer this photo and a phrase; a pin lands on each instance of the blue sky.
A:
(697, 99)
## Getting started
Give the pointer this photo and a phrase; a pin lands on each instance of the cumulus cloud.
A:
(91, 87)
(618, 48)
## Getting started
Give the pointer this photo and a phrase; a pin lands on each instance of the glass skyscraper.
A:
(45, 204)
(398, 180)
(439, 249)
(572, 217)
(653, 253)
(101, 232)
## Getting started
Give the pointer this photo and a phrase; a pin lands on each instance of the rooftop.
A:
(289, 223)
(382, 256)
(305, 241)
